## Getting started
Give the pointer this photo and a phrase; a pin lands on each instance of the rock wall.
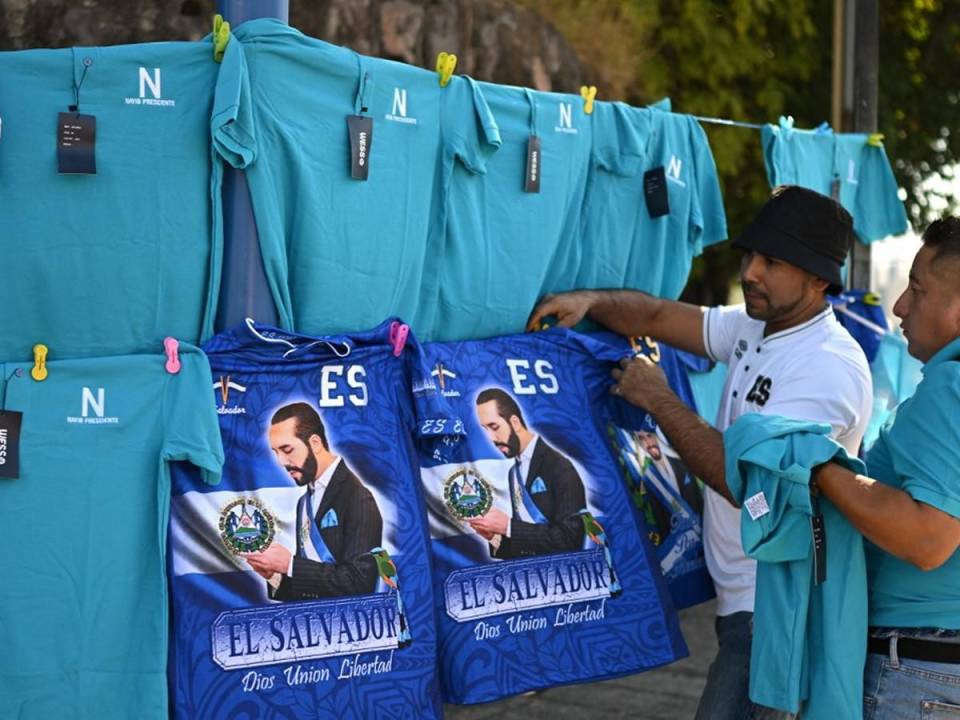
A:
(494, 39)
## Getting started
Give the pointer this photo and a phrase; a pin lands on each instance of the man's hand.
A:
(275, 559)
(493, 523)
(641, 382)
(569, 308)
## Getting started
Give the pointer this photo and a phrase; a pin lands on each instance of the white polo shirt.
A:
(816, 372)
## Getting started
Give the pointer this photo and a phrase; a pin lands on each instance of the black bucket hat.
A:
(803, 228)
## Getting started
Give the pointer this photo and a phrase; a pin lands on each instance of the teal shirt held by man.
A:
(809, 637)
(918, 451)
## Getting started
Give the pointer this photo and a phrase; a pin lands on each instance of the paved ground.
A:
(668, 693)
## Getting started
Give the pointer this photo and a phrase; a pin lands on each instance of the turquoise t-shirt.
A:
(112, 263)
(918, 451)
(506, 247)
(84, 608)
(623, 247)
(809, 640)
(814, 160)
(343, 254)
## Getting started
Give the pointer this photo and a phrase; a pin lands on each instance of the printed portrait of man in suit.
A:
(546, 492)
(674, 488)
(338, 521)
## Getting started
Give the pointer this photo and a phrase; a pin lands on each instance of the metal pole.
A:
(244, 291)
(865, 72)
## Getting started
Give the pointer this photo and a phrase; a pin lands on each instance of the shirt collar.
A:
(527, 455)
(320, 484)
(802, 327)
(950, 351)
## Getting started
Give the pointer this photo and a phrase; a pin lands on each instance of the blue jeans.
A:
(726, 696)
(896, 688)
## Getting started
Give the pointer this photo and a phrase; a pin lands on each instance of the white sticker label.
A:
(757, 506)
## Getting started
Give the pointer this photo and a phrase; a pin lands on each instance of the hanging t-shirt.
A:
(653, 200)
(321, 473)
(342, 253)
(839, 165)
(543, 573)
(668, 495)
(506, 245)
(861, 313)
(112, 262)
(85, 606)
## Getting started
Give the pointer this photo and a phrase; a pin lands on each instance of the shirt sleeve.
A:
(470, 129)
(926, 461)
(438, 428)
(232, 124)
(880, 211)
(708, 200)
(722, 327)
(191, 426)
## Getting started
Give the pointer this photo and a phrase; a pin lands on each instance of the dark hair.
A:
(308, 421)
(506, 405)
(943, 236)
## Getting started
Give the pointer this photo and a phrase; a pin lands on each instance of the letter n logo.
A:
(566, 115)
(673, 167)
(400, 102)
(148, 81)
(89, 403)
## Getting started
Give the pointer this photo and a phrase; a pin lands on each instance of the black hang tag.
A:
(819, 549)
(77, 144)
(10, 422)
(531, 182)
(360, 128)
(835, 188)
(655, 192)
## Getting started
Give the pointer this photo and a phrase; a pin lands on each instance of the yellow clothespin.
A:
(39, 371)
(589, 94)
(221, 36)
(875, 139)
(446, 64)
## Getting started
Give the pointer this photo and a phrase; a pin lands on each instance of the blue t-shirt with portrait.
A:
(340, 253)
(321, 439)
(542, 569)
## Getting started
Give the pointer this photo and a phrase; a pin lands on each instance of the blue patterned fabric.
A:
(342, 647)
(577, 598)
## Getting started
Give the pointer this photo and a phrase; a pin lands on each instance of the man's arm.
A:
(628, 312)
(890, 518)
(642, 383)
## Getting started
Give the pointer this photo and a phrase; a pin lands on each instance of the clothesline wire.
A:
(724, 121)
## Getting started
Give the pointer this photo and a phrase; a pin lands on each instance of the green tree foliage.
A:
(754, 60)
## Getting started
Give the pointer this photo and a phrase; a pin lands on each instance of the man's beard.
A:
(511, 448)
(308, 473)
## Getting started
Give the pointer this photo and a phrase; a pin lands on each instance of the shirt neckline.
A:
(802, 327)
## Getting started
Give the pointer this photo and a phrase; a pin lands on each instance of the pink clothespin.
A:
(399, 332)
(171, 347)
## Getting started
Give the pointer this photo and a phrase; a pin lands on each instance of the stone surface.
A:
(493, 39)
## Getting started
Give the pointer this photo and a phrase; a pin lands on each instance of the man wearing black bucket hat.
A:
(787, 355)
